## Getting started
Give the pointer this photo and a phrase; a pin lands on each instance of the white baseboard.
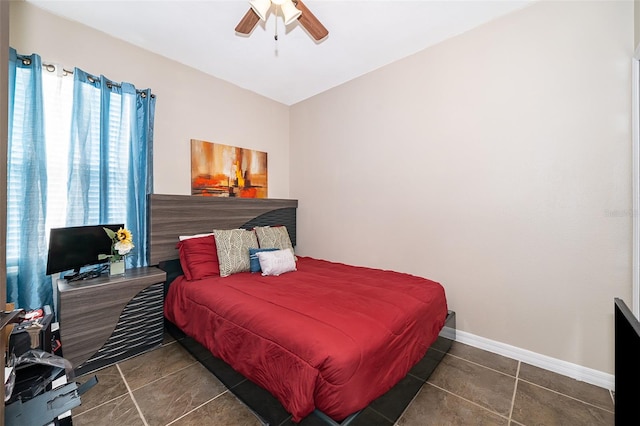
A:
(575, 371)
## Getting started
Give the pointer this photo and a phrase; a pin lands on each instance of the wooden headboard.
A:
(173, 215)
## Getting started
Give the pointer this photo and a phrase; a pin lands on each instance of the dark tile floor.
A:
(470, 387)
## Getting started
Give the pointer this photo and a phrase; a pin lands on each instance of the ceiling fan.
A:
(291, 10)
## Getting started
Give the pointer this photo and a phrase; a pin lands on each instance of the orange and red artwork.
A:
(227, 171)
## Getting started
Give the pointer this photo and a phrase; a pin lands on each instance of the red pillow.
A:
(199, 257)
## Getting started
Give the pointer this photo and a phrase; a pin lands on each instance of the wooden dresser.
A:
(108, 319)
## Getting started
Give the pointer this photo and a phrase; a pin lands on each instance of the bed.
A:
(327, 338)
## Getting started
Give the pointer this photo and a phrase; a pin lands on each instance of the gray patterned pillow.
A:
(233, 249)
(273, 237)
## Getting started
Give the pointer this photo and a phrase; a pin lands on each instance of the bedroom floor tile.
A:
(140, 370)
(535, 405)
(580, 390)
(470, 386)
(177, 394)
(488, 388)
(434, 406)
(110, 386)
(225, 409)
(494, 361)
(119, 411)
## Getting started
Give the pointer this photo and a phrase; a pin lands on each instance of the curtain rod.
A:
(52, 68)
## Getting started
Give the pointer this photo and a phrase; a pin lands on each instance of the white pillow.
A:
(186, 237)
(276, 262)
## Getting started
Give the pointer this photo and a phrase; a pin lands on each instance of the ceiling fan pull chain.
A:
(276, 35)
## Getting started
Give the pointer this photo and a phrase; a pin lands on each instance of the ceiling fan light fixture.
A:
(261, 8)
(289, 12)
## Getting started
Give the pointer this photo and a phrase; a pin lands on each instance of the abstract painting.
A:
(219, 170)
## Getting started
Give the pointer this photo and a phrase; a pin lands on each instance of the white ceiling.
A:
(363, 36)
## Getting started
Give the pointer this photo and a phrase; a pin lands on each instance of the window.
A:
(79, 154)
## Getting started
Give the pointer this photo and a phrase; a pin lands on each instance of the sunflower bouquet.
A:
(121, 244)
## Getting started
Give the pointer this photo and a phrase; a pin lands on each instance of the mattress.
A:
(328, 336)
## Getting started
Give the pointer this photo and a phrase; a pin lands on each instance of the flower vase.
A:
(116, 267)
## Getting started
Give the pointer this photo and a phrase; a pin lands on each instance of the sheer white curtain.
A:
(57, 88)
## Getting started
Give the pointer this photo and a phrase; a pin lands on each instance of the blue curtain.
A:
(109, 173)
(141, 173)
(27, 285)
(110, 157)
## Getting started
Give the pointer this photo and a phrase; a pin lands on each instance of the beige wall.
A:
(497, 163)
(189, 104)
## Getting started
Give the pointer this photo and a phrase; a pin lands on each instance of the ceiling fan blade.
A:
(310, 22)
(248, 22)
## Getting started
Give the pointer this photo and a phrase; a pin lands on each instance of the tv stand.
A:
(108, 319)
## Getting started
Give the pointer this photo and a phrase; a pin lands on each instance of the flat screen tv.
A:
(627, 363)
(75, 247)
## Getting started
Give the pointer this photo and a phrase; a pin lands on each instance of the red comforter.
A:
(328, 336)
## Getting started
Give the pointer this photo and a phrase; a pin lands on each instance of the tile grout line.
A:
(468, 400)
(458, 396)
(132, 397)
(102, 403)
(162, 377)
(168, 343)
(568, 396)
(196, 408)
(108, 400)
(515, 389)
(484, 366)
(532, 383)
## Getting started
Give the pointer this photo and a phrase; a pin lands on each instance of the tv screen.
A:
(78, 246)
(627, 363)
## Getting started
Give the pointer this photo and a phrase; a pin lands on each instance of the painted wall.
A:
(189, 103)
(497, 163)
